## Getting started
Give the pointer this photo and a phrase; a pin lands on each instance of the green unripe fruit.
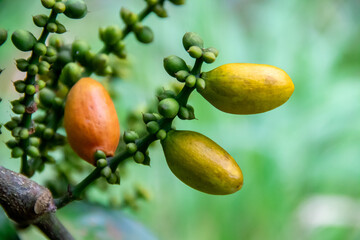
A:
(48, 133)
(70, 74)
(16, 131)
(24, 133)
(182, 75)
(33, 69)
(160, 11)
(41, 84)
(139, 157)
(166, 94)
(130, 136)
(48, 3)
(106, 172)
(59, 7)
(16, 119)
(20, 86)
(3, 36)
(191, 112)
(10, 125)
(178, 2)
(40, 128)
(50, 51)
(18, 109)
(46, 97)
(75, 9)
(145, 35)
(101, 163)
(79, 49)
(40, 49)
(147, 117)
(22, 64)
(100, 61)
(34, 141)
(168, 107)
(111, 34)
(200, 84)
(112, 179)
(208, 57)
(161, 134)
(58, 103)
(60, 28)
(201, 163)
(131, 148)
(17, 152)
(174, 64)
(32, 151)
(213, 50)
(12, 143)
(151, 2)
(43, 67)
(119, 49)
(190, 81)
(152, 127)
(128, 17)
(30, 89)
(40, 20)
(23, 40)
(99, 154)
(195, 52)
(56, 41)
(184, 113)
(51, 27)
(192, 39)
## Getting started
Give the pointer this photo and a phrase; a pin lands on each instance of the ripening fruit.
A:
(90, 120)
(201, 164)
(246, 88)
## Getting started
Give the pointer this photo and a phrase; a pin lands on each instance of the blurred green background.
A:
(300, 162)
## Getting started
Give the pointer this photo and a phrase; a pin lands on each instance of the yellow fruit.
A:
(201, 164)
(246, 88)
(90, 120)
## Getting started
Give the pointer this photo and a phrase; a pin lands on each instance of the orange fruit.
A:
(90, 120)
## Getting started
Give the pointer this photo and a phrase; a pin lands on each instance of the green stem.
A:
(26, 120)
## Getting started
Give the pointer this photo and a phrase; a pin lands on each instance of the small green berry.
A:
(34, 141)
(10, 125)
(139, 157)
(152, 127)
(190, 81)
(3, 36)
(99, 154)
(48, 3)
(17, 152)
(23, 40)
(145, 35)
(40, 20)
(60, 28)
(174, 64)
(192, 39)
(195, 52)
(111, 34)
(131, 148)
(51, 27)
(151, 2)
(106, 172)
(208, 57)
(79, 49)
(100, 61)
(191, 112)
(30, 89)
(213, 50)
(33, 69)
(56, 41)
(32, 151)
(147, 117)
(161, 134)
(19, 109)
(20, 86)
(184, 113)
(12, 143)
(101, 163)
(24, 133)
(130, 136)
(51, 51)
(16, 132)
(71, 73)
(168, 107)
(112, 179)
(41, 84)
(40, 49)
(160, 11)
(182, 75)
(200, 84)
(75, 9)
(166, 94)
(59, 7)
(46, 97)
(22, 64)
(178, 2)
(48, 133)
